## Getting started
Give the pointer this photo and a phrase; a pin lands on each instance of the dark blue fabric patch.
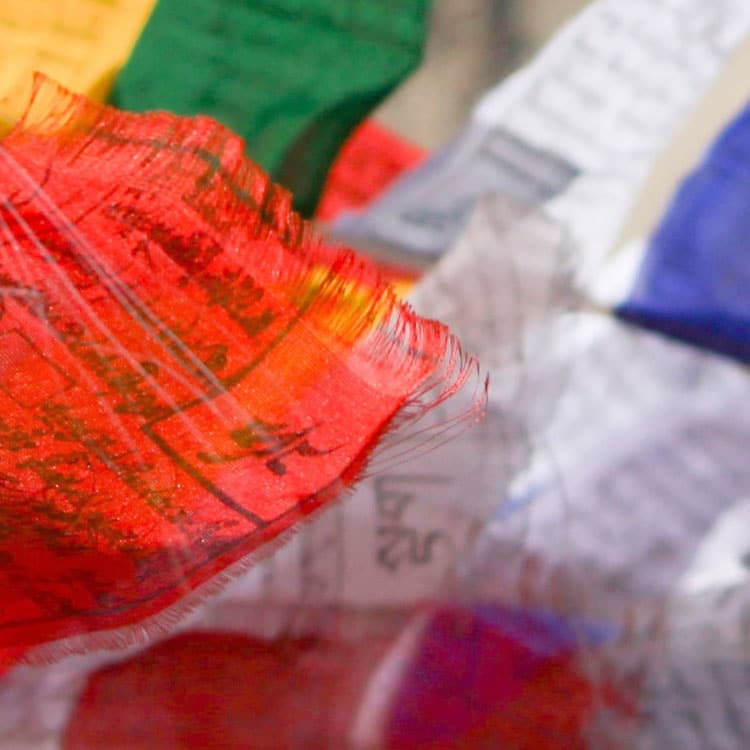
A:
(694, 283)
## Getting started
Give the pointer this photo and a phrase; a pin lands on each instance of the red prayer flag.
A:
(226, 690)
(185, 370)
(371, 159)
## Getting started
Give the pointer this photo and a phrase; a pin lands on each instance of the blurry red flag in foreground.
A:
(185, 371)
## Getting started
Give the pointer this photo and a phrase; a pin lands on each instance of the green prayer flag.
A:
(293, 77)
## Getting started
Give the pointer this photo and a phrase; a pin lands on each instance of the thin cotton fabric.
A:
(185, 371)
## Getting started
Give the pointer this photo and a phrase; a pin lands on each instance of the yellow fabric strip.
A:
(80, 43)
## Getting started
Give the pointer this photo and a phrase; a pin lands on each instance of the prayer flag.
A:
(185, 370)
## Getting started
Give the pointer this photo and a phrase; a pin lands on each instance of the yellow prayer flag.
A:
(80, 43)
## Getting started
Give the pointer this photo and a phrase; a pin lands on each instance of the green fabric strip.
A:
(293, 77)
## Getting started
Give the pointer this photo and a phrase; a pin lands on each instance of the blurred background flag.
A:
(80, 43)
(693, 282)
(293, 77)
(576, 130)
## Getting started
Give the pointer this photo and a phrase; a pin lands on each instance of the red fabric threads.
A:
(185, 371)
